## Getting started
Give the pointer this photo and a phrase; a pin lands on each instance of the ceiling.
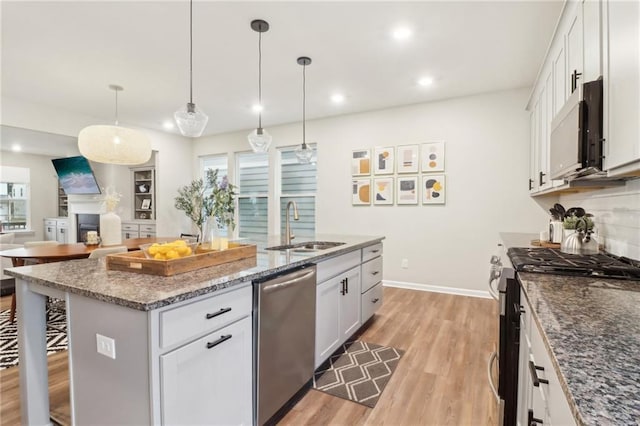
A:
(64, 54)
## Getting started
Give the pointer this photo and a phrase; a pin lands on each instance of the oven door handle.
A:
(492, 361)
(494, 293)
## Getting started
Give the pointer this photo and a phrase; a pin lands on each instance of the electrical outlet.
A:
(405, 263)
(106, 346)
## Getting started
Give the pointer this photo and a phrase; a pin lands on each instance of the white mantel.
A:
(83, 204)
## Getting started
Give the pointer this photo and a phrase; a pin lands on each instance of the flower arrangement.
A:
(204, 199)
(571, 222)
(111, 198)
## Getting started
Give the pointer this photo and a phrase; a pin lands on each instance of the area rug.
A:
(358, 371)
(56, 338)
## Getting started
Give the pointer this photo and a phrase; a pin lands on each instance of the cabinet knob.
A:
(375, 300)
(533, 369)
(532, 421)
(540, 178)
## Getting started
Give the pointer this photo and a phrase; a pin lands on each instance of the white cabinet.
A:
(208, 381)
(541, 399)
(337, 312)
(622, 87)
(337, 302)
(56, 229)
(136, 230)
(371, 298)
(575, 50)
(144, 193)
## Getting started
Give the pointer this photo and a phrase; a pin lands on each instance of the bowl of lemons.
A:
(169, 250)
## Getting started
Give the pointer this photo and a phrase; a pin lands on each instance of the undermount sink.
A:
(309, 246)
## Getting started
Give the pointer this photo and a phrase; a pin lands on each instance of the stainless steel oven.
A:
(503, 362)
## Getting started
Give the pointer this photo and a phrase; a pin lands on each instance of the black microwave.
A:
(576, 134)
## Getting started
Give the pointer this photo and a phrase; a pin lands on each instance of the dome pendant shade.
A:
(191, 121)
(260, 140)
(114, 145)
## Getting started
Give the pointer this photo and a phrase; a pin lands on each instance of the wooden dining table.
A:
(62, 252)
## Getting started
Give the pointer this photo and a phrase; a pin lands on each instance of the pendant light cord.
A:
(260, 79)
(304, 102)
(116, 106)
(190, 51)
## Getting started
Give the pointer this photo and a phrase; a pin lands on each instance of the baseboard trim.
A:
(437, 289)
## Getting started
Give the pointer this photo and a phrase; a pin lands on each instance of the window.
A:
(298, 183)
(253, 182)
(14, 198)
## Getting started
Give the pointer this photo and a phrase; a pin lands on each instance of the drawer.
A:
(183, 323)
(48, 222)
(147, 234)
(130, 227)
(147, 228)
(331, 267)
(371, 302)
(370, 252)
(371, 273)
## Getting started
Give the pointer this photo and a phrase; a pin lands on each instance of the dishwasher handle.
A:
(294, 280)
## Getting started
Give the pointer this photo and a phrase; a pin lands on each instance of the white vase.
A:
(212, 238)
(110, 229)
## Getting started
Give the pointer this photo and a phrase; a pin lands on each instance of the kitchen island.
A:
(133, 337)
(590, 330)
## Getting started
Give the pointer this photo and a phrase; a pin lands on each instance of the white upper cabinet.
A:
(575, 51)
(622, 87)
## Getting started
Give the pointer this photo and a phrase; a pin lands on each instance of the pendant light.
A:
(114, 144)
(304, 153)
(190, 120)
(259, 139)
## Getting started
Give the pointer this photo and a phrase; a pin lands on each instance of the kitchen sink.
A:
(309, 246)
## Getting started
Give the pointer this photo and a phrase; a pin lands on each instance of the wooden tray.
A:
(135, 261)
(547, 244)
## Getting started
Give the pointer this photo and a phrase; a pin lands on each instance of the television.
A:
(75, 175)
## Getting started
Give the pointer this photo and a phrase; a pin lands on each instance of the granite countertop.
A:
(591, 328)
(89, 277)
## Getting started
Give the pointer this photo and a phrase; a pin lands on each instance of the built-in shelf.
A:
(143, 193)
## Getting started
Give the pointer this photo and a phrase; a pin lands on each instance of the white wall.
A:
(173, 157)
(44, 189)
(616, 215)
(486, 140)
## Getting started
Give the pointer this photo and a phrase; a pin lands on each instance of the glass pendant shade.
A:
(260, 140)
(191, 121)
(114, 145)
(304, 154)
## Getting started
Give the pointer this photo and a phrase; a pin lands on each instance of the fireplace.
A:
(86, 223)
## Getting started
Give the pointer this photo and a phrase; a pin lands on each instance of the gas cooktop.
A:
(553, 261)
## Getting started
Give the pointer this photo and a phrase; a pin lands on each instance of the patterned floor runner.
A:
(56, 340)
(359, 372)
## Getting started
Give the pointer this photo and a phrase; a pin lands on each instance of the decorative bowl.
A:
(169, 250)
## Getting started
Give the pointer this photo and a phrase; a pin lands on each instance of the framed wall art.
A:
(146, 204)
(361, 162)
(433, 189)
(383, 191)
(361, 192)
(408, 159)
(383, 160)
(432, 154)
(407, 190)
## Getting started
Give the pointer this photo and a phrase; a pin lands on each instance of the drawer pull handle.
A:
(532, 421)
(534, 374)
(343, 291)
(375, 251)
(375, 273)
(220, 312)
(217, 342)
(375, 300)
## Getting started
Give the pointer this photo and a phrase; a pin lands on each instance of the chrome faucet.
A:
(288, 236)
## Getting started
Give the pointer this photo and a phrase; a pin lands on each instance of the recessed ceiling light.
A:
(425, 81)
(337, 98)
(401, 33)
(168, 125)
(257, 108)
(16, 148)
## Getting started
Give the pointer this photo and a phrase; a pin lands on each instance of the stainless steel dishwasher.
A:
(284, 312)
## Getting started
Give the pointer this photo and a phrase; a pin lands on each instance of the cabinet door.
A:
(50, 232)
(350, 304)
(327, 318)
(533, 150)
(559, 78)
(575, 52)
(61, 235)
(622, 85)
(205, 384)
(130, 234)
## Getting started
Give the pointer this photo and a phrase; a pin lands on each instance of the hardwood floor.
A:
(440, 380)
